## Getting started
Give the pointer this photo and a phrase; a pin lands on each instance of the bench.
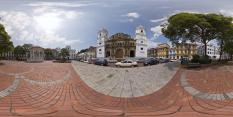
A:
(193, 65)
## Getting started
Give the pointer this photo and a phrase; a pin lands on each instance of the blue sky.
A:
(57, 23)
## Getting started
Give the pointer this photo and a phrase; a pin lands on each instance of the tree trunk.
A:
(205, 45)
(221, 50)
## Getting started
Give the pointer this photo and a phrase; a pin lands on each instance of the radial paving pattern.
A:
(56, 90)
(208, 84)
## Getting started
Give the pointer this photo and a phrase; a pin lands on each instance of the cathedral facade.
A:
(120, 45)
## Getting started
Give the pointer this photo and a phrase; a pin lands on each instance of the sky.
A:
(57, 23)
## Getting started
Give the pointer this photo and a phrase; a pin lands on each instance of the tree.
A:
(48, 54)
(228, 41)
(19, 51)
(5, 43)
(27, 47)
(64, 53)
(192, 27)
(223, 27)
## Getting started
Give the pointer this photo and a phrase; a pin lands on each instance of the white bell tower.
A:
(101, 38)
(141, 42)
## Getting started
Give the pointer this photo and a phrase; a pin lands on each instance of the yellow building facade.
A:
(163, 50)
(185, 50)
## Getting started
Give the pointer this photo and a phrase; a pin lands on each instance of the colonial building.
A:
(120, 45)
(172, 53)
(72, 54)
(152, 52)
(91, 52)
(176, 51)
(212, 51)
(88, 53)
(185, 50)
(163, 50)
(141, 42)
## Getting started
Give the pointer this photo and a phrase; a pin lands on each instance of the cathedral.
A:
(120, 46)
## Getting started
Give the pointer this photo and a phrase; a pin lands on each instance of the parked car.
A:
(150, 61)
(163, 60)
(101, 61)
(173, 60)
(126, 63)
(92, 60)
(140, 59)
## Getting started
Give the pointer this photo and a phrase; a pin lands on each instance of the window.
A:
(99, 43)
(100, 50)
(141, 48)
(141, 41)
(141, 31)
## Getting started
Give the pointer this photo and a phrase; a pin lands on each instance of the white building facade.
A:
(212, 51)
(72, 53)
(100, 48)
(141, 42)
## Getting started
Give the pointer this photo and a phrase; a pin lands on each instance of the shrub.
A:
(195, 59)
(205, 59)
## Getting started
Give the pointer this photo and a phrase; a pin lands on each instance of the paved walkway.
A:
(126, 82)
(209, 84)
(56, 90)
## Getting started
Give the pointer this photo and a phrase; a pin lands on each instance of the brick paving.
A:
(56, 90)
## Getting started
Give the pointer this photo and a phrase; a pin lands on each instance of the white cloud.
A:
(133, 15)
(227, 12)
(152, 43)
(70, 14)
(158, 20)
(58, 4)
(157, 31)
(126, 20)
(39, 28)
(130, 17)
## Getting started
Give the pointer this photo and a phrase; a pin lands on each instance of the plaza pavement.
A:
(58, 90)
(126, 82)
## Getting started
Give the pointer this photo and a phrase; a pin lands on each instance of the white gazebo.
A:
(36, 54)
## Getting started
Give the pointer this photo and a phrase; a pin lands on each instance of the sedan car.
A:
(101, 61)
(150, 61)
(162, 60)
(126, 63)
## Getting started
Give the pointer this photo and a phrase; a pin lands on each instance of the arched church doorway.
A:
(132, 53)
(119, 53)
(108, 54)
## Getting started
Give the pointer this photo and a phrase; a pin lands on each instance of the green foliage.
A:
(64, 53)
(83, 50)
(5, 43)
(201, 59)
(19, 51)
(228, 42)
(48, 54)
(27, 47)
(196, 27)
(195, 58)
(205, 59)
